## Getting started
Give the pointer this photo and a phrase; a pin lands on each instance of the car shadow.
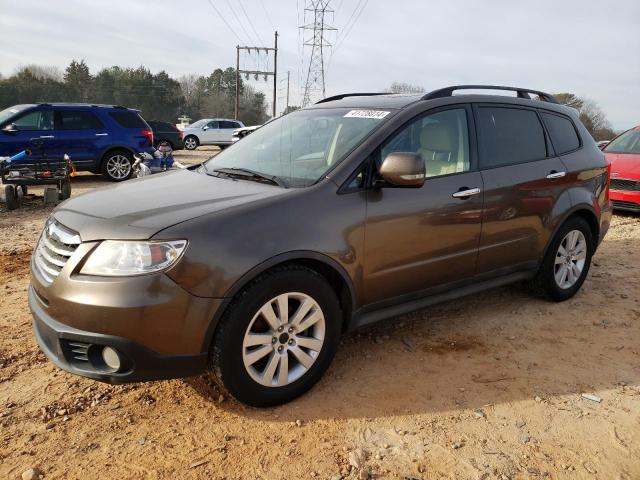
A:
(494, 347)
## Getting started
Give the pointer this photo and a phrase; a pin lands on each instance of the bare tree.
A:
(402, 87)
(591, 115)
(44, 72)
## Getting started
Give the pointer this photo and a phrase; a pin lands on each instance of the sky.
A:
(585, 47)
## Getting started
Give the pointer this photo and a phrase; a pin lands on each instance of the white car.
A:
(210, 131)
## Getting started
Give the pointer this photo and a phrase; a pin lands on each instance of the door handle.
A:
(47, 136)
(101, 134)
(467, 192)
(554, 174)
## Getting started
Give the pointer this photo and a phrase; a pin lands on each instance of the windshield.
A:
(628, 142)
(198, 124)
(7, 113)
(302, 146)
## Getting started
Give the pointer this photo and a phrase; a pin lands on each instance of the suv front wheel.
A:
(277, 337)
(117, 165)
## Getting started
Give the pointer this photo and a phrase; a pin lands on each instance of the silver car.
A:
(210, 131)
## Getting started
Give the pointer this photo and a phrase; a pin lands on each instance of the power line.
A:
(267, 14)
(251, 24)
(240, 23)
(225, 21)
(347, 30)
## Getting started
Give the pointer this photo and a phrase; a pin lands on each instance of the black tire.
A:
(11, 197)
(65, 190)
(117, 156)
(191, 142)
(24, 189)
(227, 349)
(544, 284)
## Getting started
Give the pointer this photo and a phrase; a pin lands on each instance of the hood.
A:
(137, 209)
(624, 165)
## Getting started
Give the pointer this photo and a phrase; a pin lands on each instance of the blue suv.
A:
(98, 138)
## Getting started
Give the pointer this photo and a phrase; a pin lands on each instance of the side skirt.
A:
(369, 315)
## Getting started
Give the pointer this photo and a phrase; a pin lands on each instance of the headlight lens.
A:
(123, 258)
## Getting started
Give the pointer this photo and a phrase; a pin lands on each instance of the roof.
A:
(399, 101)
(82, 105)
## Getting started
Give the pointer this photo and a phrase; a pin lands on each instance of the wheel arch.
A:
(584, 211)
(113, 148)
(324, 265)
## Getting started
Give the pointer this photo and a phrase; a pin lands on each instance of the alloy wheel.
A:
(283, 339)
(190, 144)
(570, 259)
(118, 167)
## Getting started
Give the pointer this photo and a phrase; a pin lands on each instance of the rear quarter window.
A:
(562, 132)
(128, 119)
(508, 136)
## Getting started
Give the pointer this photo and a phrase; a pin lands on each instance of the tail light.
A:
(149, 135)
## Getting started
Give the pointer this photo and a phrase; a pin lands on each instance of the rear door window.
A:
(562, 132)
(128, 119)
(38, 120)
(508, 136)
(79, 120)
(228, 124)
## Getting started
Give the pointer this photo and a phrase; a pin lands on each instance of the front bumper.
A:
(627, 201)
(79, 352)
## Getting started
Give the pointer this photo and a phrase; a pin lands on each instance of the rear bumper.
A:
(79, 352)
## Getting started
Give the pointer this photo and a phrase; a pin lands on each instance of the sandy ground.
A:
(480, 388)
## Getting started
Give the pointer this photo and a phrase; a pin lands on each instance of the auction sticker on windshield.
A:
(378, 114)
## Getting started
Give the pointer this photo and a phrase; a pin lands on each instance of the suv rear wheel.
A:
(278, 337)
(567, 261)
(117, 165)
(191, 142)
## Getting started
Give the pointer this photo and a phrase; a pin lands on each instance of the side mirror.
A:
(206, 127)
(403, 169)
(11, 128)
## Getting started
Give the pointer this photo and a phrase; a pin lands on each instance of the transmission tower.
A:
(317, 9)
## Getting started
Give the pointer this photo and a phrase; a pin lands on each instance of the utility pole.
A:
(288, 79)
(237, 109)
(275, 71)
(315, 83)
(257, 73)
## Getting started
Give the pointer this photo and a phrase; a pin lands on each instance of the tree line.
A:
(157, 95)
(591, 115)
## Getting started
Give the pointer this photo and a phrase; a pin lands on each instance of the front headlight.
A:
(115, 258)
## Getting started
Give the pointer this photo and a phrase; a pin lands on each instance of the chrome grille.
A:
(57, 243)
(624, 184)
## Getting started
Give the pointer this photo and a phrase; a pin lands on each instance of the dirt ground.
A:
(484, 387)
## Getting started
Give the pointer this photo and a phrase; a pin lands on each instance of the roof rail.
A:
(344, 95)
(522, 92)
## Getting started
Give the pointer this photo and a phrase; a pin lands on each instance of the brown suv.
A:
(356, 209)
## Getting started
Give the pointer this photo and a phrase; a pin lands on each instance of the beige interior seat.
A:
(438, 148)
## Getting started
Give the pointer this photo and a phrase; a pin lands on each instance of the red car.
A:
(623, 153)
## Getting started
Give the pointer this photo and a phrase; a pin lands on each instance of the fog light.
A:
(111, 358)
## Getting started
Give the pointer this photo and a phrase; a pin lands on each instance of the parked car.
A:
(356, 209)
(623, 153)
(99, 138)
(166, 132)
(210, 131)
(243, 132)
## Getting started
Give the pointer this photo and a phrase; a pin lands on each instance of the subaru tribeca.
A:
(358, 208)
(98, 138)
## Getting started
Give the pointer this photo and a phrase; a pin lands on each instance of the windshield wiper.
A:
(251, 175)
